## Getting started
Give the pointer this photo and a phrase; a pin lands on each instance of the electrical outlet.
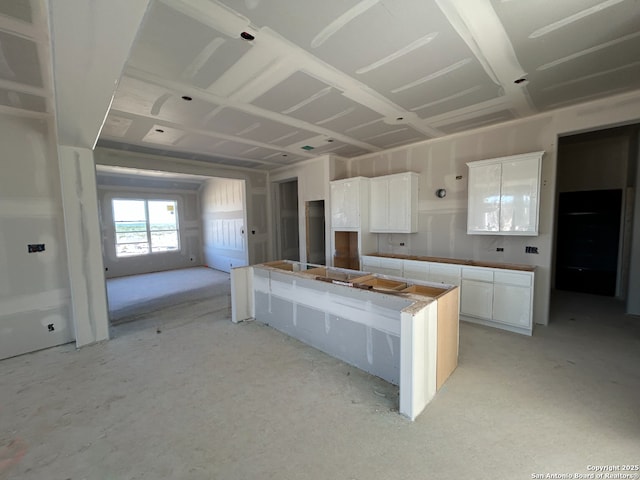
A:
(35, 247)
(402, 244)
(529, 249)
(499, 249)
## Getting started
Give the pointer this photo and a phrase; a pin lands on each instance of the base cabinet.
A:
(497, 297)
(476, 299)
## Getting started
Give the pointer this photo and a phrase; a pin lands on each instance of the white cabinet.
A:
(476, 299)
(382, 265)
(512, 299)
(349, 202)
(415, 270)
(444, 273)
(503, 196)
(394, 203)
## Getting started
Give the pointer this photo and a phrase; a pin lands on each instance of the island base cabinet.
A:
(512, 305)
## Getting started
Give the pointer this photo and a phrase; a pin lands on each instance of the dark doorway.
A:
(287, 220)
(315, 233)
(588, 241)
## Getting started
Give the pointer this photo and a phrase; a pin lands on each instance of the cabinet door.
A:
(476, 299)
(512, 305)
(443, 273)
(519, 196)
(399, 192)
(416, 270)
(345, 204)
(379, 205)
(484, 198)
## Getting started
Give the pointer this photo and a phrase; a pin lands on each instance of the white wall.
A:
(224, 224)
(442, 222)
(313, 184)
(633, 299)
(189, 223)
(34, 287)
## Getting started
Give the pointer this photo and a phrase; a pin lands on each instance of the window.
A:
(145, 226)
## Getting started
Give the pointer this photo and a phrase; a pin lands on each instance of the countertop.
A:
(456, 261)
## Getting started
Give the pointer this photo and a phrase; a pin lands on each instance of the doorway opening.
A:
(286, 211)
(315, 232)
(597, 179)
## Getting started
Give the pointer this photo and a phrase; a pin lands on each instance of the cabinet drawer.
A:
(480, 274)
(370, 262)
(415, 269)
(512, 278)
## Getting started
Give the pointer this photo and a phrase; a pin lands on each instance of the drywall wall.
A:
(598, 164)
(34, 287)
(82, 227)
(442, 221)
(224, 224)
(256, 190)
(189, 224)
(313, 184)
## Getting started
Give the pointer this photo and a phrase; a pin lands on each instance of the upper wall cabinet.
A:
(394, 203)
(349, 202)
(504, 195)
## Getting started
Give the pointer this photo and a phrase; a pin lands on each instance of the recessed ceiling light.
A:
(330, 140)
(187, 98)
(521, 80)
(400, 118)
(284, 155)
(247, 36)
(159, 130)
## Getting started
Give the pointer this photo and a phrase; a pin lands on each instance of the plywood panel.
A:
(447, 360)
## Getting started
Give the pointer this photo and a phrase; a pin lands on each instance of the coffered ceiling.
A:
(267, 83)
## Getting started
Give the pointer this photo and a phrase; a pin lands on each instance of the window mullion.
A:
(146, 213)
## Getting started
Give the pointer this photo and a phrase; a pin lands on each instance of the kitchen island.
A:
(403, 332)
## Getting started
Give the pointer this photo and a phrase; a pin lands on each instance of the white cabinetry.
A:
(383, 265)
(349, 202)
(504, 195)
(476, 297)
(513, 299)
(394, 203)
(350, 235)
(415, 270)
(444, 273)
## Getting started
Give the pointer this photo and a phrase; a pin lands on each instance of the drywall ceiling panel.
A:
(269, 131)
(20, 10)
(323, 108)
(571, 28)
(169, 41)
(213, 146)
(435, 105)
(293, 137)
(355, 114)
(163, 135)
(297, 21)
(116, 126)
(400, 135)
(174, 109)
(476, 122)
(290, 93)
(135, 96)
(560, 93)
(25, 101)
(350, 151)
(378, 132)
(234, 122)
(214, 60)
(19, 60)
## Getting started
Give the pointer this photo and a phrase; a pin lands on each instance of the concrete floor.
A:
(183, 393)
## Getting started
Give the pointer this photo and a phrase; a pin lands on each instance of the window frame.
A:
(148, 231)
